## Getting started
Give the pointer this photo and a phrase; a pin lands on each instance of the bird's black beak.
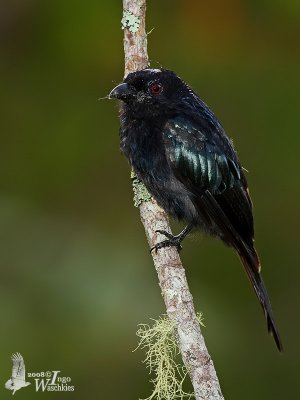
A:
(122, 92)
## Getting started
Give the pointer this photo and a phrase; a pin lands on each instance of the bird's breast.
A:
(145, 150)
(143, 146)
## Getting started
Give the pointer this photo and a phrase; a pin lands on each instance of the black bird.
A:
(180, 151)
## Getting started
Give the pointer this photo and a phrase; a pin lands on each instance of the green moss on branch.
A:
(140, 193)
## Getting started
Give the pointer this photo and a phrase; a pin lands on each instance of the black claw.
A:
(171, 239)
(170, 242)
(166, 234)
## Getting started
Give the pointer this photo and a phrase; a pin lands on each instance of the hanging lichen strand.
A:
(162, 359)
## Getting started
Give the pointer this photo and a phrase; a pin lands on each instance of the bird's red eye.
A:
(156, 88)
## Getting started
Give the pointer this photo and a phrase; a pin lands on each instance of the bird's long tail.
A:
(251, 263)
(249, 258)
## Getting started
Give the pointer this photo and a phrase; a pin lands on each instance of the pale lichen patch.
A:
(140, 193)
(130, 21)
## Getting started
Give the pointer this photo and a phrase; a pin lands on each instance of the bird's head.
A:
(151, 91)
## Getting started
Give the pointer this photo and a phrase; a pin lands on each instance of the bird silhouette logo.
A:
(17, 379)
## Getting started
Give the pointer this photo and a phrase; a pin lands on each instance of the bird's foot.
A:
(169, 242)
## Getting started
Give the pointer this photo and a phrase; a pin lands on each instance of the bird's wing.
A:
(204, 160)
(207, 165)
(18, 369)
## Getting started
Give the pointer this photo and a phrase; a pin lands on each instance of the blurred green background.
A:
(76, 274)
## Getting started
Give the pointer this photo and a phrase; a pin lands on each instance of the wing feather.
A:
(203, 163)
(18, 369)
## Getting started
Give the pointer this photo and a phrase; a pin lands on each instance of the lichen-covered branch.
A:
(171, 274)
(135, 41)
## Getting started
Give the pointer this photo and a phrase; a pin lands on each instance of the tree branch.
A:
(171, 274)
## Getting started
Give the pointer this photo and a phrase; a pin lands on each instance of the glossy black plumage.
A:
(178, 148)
